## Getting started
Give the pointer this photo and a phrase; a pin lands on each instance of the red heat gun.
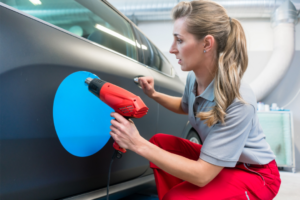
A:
(122, 101)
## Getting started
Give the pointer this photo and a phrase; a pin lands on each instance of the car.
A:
(44, 42)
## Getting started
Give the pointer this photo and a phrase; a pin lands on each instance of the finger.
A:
(113, 135)
(146, 84)
(118, 117)
(116, 124)
(141, 79)
(142, 83)
(114, 130)
(130, 121)
(149, 79)
(145, 80)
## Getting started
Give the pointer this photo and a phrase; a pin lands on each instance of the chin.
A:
(183, 68)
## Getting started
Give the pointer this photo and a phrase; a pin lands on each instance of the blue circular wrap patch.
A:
(80, 118)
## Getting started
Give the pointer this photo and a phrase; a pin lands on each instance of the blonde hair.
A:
(204, 17)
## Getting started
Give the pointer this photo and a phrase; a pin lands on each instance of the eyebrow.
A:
(176, 34)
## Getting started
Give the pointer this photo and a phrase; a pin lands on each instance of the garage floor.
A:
(290, 186)
(289, 189)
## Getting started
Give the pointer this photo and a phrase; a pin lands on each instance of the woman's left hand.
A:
(124, 132)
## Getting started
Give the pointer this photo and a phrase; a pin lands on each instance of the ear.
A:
(208, 43)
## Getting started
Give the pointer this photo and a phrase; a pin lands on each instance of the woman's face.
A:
(186, 47)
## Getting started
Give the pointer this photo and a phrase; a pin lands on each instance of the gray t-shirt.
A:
(240, 139)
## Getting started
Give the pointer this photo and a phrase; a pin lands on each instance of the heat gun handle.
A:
(116, 145)
(118, 148)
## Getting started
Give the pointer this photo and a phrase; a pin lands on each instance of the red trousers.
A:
(244, 181)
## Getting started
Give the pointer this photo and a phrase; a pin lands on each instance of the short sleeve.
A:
(185, 97)
(224, 143)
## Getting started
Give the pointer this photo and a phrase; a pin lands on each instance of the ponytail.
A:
(233, 62)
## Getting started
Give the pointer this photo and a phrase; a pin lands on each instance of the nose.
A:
(173, 48)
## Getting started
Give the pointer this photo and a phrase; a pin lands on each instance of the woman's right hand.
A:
(147, 84)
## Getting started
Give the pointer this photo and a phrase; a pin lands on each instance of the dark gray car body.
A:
(35, 57)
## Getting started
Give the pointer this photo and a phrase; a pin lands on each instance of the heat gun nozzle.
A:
(88, 80)
(94, 85)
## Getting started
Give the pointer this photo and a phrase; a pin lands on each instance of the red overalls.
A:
(244, 181)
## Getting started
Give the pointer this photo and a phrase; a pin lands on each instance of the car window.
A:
(93, 20)
(152, 56)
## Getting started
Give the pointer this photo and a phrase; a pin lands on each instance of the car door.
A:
(38, 57)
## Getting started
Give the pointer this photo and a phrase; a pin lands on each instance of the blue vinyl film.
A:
(81, 119)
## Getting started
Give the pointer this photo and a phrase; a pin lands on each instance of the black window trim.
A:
(138, 50)
(116, 10)
(133, 26)
(172, 67)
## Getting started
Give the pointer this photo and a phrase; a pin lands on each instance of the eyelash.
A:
(180, 41)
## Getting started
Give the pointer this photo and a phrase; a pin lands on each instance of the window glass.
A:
(92, 19)
(152, 56)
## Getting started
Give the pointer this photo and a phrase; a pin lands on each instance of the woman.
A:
(235, 161)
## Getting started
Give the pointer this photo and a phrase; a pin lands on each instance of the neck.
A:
(204, 76)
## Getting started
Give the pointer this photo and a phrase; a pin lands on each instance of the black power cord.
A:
(116, 154)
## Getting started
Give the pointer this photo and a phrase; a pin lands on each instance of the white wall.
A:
(259, 35)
